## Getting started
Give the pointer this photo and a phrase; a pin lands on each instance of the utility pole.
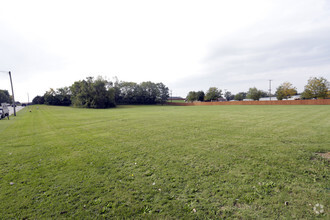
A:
(171, 96)
(12, 90)
(270, 90)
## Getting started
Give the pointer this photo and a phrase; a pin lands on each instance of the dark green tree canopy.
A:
(240, 96)
(254, 94)
(213, 94)
(4, 96)
(200, 96)
(38, 100)
(229, 96)
(195, 96)
(163, 93)
(101, 93)
(92, 93)
(191, 97)
(60, 96)
(143, 93)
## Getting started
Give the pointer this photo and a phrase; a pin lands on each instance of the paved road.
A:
(11, 109)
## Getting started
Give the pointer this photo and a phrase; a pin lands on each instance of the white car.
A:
(4, 111)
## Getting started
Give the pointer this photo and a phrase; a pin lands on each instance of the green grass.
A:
(165, 162)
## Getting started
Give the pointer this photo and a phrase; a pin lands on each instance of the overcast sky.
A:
(187, 45)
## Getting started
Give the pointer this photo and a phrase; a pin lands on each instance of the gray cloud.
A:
(251, 57)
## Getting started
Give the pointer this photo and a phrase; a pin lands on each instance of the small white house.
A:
(295, 97)
(268, 99)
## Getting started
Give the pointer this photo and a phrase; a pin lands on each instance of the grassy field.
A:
(165, 162)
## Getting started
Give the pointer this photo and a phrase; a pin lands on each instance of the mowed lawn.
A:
(165, 162)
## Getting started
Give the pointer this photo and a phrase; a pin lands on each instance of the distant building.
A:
(221, 100)
(175, 98)
(268, 99)
(295, 97)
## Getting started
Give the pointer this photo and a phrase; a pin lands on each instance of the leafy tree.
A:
(4, 96)
(38, 100)
(163, 93)
(80, 91)
(191, 97)
(63, 96)
(264, 94)
(150, 92)
(285, 90)
(200, 95)
(229, 96)
(128, 93)
(240, 96)
(195, 96)
(59, 97)
(50, 97)
(316, 88)
(116, 86)
(102, 97)
(213, 94)
(143, 93)
(254, 94)
(92, 93)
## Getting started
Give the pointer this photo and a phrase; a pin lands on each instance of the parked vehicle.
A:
(4, 111)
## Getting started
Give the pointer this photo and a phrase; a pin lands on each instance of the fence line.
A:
(281, 102)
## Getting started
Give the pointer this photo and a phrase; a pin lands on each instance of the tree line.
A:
(215, 94)
(5, 97)
(101, 93)
(316, 88)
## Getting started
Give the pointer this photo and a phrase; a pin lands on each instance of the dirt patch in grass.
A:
(324, 155)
